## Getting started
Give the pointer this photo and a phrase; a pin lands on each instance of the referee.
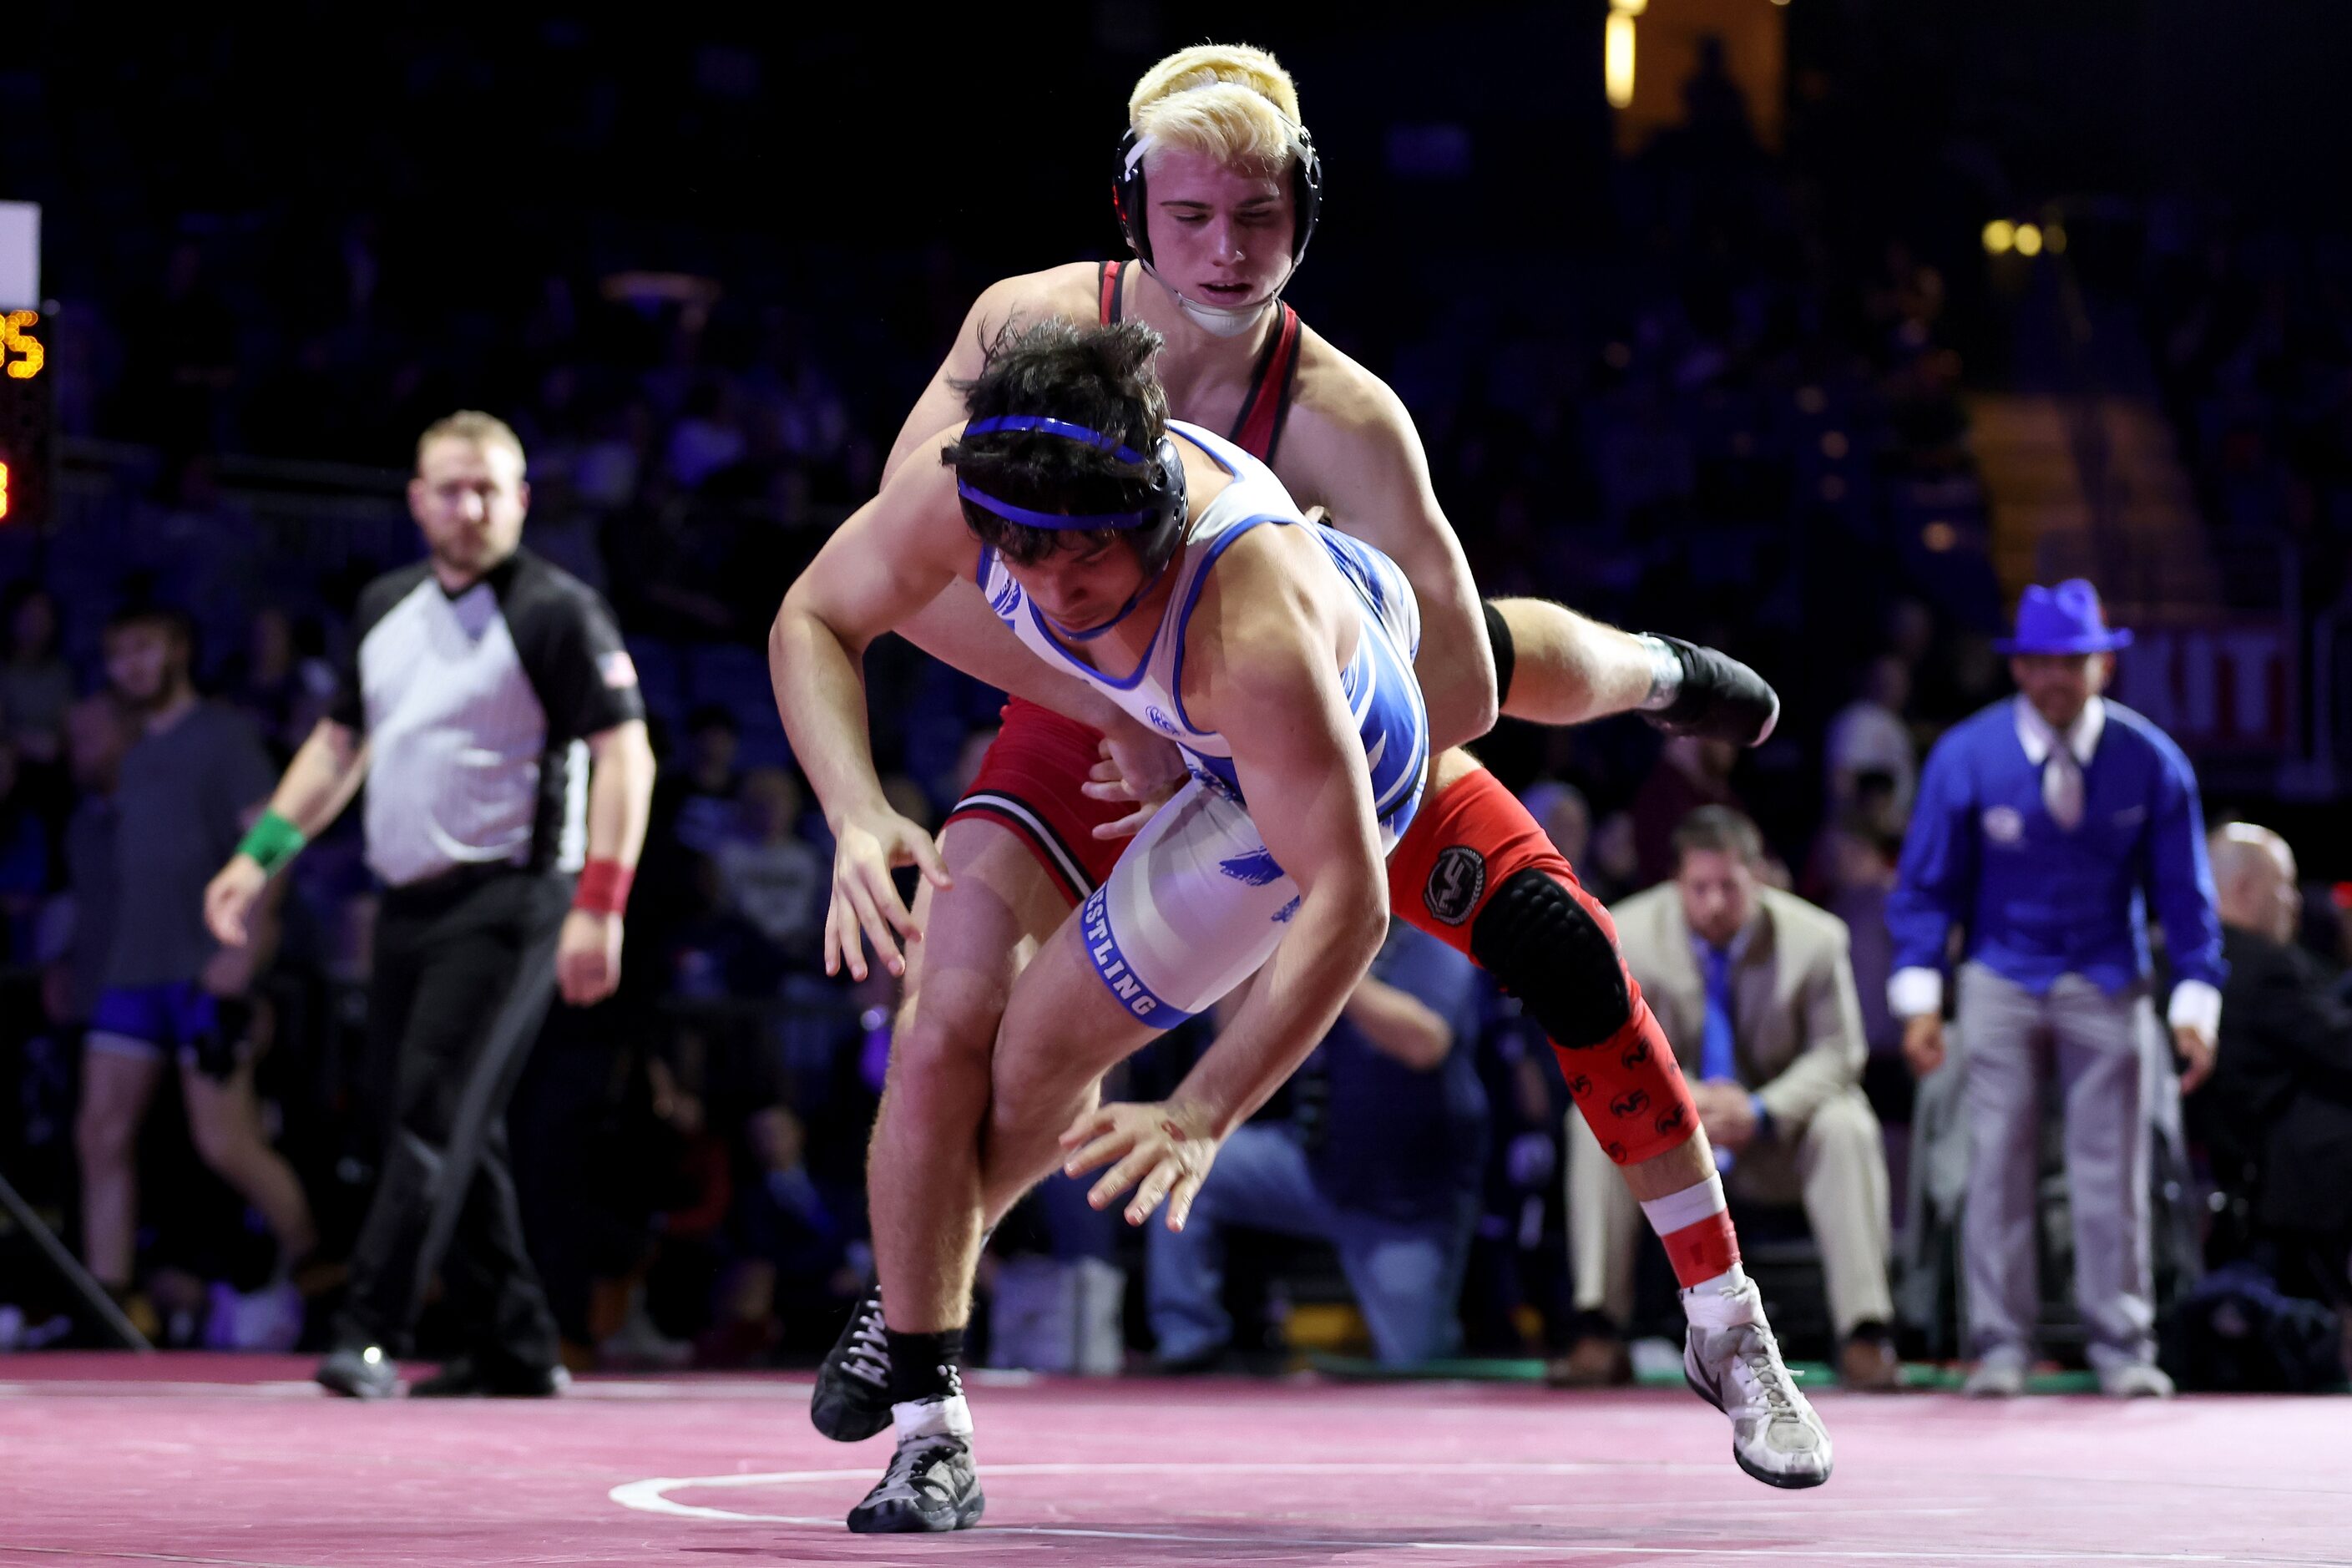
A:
(489, 706)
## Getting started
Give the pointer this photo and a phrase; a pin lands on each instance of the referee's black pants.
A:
(464, 971)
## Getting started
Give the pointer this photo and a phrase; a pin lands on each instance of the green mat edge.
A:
(1809, 1373)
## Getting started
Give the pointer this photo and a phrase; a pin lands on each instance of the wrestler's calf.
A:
(1552, 946)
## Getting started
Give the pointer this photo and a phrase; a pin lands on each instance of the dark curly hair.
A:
(1097, 376)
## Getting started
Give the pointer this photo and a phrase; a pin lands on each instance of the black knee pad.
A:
(1543, 948)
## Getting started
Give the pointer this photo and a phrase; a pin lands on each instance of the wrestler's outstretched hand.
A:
(867, 849)
(1140, 767)
(1163, 1150)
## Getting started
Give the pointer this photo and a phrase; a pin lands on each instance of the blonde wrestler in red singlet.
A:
(1217, 185)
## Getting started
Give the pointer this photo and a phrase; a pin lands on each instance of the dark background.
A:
(1709, 384)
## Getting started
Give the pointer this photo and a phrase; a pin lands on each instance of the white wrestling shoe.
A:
(1731, 1361)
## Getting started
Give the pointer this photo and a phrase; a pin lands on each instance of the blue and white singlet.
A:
(1197, 903)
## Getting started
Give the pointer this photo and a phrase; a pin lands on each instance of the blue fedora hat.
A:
(2066, 619)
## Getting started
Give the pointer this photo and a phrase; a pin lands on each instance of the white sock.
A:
(947, 1417)
(1732, 1279)
(1726, 1300)
(1665, 674)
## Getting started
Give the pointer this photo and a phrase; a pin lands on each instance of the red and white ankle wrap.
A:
(1695, 1226)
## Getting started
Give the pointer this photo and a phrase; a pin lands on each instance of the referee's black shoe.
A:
(468, 1378)
(360, 1372)
(852, 1402)
(1721, 699)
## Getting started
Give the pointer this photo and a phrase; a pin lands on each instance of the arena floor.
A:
(238, 1460)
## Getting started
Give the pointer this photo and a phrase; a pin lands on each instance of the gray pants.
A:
(2102, 1046)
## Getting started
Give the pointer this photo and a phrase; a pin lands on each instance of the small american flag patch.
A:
(618, 670)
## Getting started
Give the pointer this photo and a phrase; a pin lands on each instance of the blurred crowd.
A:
(2251, 334)
(1732, 419)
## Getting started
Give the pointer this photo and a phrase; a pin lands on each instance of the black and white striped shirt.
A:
(476, 706)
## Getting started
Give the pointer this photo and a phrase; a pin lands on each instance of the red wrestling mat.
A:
(236, 1460)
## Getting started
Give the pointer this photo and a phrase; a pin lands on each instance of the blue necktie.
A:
(1717, 1060)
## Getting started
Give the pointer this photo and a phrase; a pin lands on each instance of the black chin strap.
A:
(1124, 610)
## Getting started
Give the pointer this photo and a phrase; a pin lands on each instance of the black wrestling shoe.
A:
(466, 1378)
(930, 1486)
(359, 1373)
(1721, 699)
(852, 1402)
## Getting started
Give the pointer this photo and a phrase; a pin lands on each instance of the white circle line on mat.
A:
(651, 1496)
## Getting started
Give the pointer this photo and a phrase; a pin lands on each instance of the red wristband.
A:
(603, 886)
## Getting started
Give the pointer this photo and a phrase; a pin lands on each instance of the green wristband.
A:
(272, 842)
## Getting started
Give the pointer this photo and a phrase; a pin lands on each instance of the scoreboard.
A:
(28, 403)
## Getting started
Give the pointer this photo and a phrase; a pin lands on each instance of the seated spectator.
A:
(1390, 1173)
(1604, 860)
(1691, 771)
(1858, 861)
(262, 679)
(1565, 815)
(772, 877)
(1756, 988)
(610, 469)
(707, 438)
(2280, 1107)
(1614, 861)
(36, 685)
(696, 807)
(282, 678)
(800, 1265)
(1869, 736)
(24, 856)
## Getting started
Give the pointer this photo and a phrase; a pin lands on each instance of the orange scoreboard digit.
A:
(26, 406)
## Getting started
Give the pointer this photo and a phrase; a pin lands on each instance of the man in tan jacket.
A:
(1756, 986)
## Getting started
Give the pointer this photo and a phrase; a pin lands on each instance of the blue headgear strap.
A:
(1143, 517)
(1039, 423)
(1063, 427)
(1027, 519)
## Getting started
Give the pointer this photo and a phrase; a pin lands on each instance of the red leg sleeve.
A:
(1469, 844)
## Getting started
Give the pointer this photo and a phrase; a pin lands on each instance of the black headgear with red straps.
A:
(1128, 195)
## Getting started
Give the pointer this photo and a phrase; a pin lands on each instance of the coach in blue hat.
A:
(2047, 827)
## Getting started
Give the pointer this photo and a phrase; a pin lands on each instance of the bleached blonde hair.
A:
(471, 425)
(1227, 101)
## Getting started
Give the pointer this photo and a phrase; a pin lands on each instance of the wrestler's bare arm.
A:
(959, 629)
(893, 555)
(1263, 672)
(1350, 447)
(955, 626)
(1066, 292)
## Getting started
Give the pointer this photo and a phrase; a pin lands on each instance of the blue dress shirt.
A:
(2037, 900)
